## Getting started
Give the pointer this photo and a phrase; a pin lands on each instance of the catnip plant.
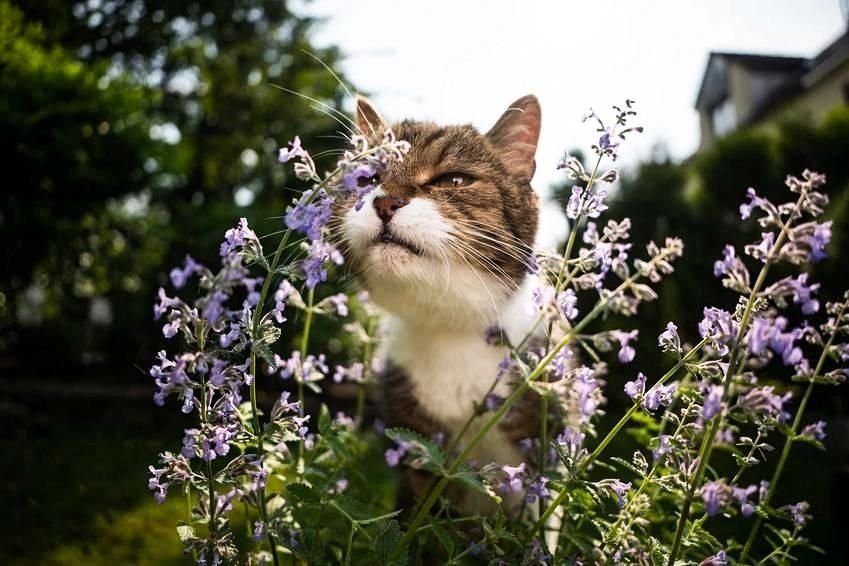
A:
(265, 481)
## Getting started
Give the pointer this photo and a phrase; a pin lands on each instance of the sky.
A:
(466, 61)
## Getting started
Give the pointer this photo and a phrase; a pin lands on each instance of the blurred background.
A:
(133, 132)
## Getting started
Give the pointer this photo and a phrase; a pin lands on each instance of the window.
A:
(724, 117)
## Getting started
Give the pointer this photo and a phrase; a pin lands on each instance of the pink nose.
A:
(387, 206)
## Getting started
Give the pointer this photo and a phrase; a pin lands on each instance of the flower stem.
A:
(613, 432)
(305, 340)
(260, 448)
(499, 413)
(791, 438)
(738, 354)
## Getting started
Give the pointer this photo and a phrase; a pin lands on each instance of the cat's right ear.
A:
(516, 134)
(368, 121)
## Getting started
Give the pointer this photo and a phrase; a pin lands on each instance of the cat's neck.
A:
(513, 315)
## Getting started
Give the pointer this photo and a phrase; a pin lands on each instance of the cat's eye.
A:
(364, 181)
(451, 180)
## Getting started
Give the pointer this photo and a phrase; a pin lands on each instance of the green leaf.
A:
(304, 493)
(264, 352)
(385, 543)
(419, 446)
(443, 536)
(627, 465)
(186, 533)
(324, 420)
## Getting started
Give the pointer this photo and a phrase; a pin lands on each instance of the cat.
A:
(443, 245)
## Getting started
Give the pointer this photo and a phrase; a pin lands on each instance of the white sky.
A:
(466, 61)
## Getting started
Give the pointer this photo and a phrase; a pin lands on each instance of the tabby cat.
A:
(443, 245)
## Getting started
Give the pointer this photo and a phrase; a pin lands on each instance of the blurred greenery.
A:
(698, 201)
(135, 132)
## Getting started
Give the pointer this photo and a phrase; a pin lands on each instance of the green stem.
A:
(258, 432)
(305, 340)
(367, 355)
(613, 432)
(738, 354)
(499, 413)
(791, 438)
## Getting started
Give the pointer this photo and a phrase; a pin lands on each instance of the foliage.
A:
(291, 469)
(131, 126)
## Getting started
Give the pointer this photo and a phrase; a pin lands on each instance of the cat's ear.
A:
(368, 121)
(516, 134)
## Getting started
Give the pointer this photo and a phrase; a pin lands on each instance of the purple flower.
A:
(180, 276)
(819, 240)
(353, 374)
(663, 447)
(214, 308)
(238, 237)
(802, 294)
(537, 489)
(359, 181)
(668, 339)
(313, 266)
(582, 202)
(718, 559)
(309, 216)
(226, 340)
(635, 389)
(586, 387)
(814, 430)
(493, 401)
(395, 455)
(294, 150)
(572, 441)
(155, 483)
(659, 395)
(163, 304)
(562, 362)
(619, 489)
(301, 423)
(798, 512)
(742, 496)
(754, 202)
(626, 352)
(566, 304)
(172, 326)
(340, 303)
(715, 496)
(762, 401)
(712, 401)
(259, 529)
(719, 327)
(513, 477)
(726, 264)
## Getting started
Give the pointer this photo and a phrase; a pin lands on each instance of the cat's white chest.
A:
(449, 373)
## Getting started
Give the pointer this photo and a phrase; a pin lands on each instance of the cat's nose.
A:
(386, 207)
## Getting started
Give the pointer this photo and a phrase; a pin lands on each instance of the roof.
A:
(800, 73)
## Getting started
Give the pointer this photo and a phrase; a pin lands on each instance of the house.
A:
(742, 90)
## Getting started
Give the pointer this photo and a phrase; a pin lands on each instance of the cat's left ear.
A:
(368, 121)
(516, 134)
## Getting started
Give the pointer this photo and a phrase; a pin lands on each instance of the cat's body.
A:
(443, 246)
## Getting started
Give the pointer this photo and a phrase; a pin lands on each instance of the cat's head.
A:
(447, 236)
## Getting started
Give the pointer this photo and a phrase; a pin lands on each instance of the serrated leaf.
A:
(810, 440)
(265, 353)
(186, 533)
(424, 447)
(303, 493)
(443, 536)
(385, 543)
(627, 465)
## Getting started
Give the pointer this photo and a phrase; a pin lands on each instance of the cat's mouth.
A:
(387, 238)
